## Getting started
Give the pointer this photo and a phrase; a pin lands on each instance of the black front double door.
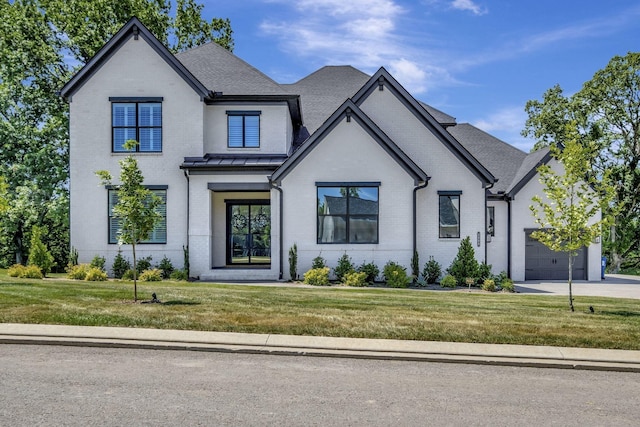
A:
(248, 232)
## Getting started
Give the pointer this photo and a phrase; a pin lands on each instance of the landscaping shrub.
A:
(143, 264)
(98, 262)
(128, 275)
(318, 262)
(39, 255)
(465, 264)
(507, 285)
(431, 271)
(489, 285)
(317, 276)
(293, 262)
(448, 281)
(484, 272)
(344, 266)
(96, 274)
(415, 265)
(166, 267)
(73, 256)
(355, 278)
(32, 272)
(120, 266)
(16, 270)
(179, 275)
(152, 275)
(371, 270)
(78, 272)
(396, 275)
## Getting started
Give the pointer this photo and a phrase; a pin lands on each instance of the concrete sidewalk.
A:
(490, 354)
(614, 285)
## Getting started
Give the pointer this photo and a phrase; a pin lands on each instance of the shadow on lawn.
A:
(621, 313)
(179, 303)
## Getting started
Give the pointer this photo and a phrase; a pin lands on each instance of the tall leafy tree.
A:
(570, 216)
(42, 43)
(136, 209)
(606, 113)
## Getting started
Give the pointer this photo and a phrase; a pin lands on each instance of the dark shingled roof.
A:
(502, 160)
(527, 169)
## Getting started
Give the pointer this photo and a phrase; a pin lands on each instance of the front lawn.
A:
(336, 311)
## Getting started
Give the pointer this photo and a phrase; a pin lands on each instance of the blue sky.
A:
(477, 60)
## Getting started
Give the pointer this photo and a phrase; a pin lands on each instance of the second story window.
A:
(141, 121)
(243, 129)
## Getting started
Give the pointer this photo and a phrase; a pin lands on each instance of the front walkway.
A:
(614, 285)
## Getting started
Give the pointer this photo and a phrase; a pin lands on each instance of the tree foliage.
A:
(606, 115)
(137, 206)
(570, 216)
(42, 43)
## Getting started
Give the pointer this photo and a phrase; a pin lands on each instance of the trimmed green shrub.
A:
(98, 262)
(448, 281)
(355, 278)
(431, 271)
(179, 275)
(293, 262)
(128, 275)
(371, 270)
(507, 285)
(120, 266)
(318, 262)
(489, 285)
(152, 275)
(166, 267)
(344, 266)
(73, 256)
(465, 264)
(317, 276)
(143, 264)
(16, 270)
(78, 272)
(39, 255)
(96, 274)
(32, 272)
(415, 265)
(484, 272)
(396, 275)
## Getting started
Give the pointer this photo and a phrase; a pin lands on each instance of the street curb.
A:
(292, 345)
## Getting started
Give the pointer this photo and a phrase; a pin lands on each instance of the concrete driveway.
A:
(614, 285)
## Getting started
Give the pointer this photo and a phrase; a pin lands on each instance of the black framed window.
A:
(140, 121)
(491, 220)
(348, 213)
(159, 233)
(449, 217)
(243, 129)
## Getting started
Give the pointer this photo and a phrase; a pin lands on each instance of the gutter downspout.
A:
(415, 213)
(275, 186)
(186, 175)
(486, 196)
(508, 200)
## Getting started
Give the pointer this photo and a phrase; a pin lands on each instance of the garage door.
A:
(541, 263)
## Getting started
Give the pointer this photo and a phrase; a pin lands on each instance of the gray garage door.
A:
(541, 263)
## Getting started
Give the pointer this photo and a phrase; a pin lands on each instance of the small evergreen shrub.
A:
(431, 271)
(78, 272)
(317, 276)
(98, 262)
(355, 278)
(128, 275)
(318, 262)
(166, 267)
(448, 281)
(39, 255)
(484, 272)
(489, 285)
(16, 270)
(421, 282)
(293, 262)
(73, 256)
(120, 266)
(152, 275)
(344, 266)
(507, 285)
(143, 264)
(96, 274)
(179, 275)
(371, 270)
(396, 275)
(415, 265)
(32, 272)
(465, 264)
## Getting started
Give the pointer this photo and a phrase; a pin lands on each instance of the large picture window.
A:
(449, 222)
(243, 129)
(348, 213)
(141, 121)
(159, 233)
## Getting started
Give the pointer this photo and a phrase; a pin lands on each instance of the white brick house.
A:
(338, 162)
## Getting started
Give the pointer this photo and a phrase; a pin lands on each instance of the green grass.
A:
(336, 311)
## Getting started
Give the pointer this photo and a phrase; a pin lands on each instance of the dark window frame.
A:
(161, 227)
(244, 115)
(137, 101)
(491, 221)
(347, 215)
(449, 196)
(229, 203)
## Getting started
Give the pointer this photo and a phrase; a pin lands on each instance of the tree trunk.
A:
(570, 280)
(135, 274)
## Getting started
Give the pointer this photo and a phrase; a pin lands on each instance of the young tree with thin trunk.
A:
(136, 209)
(577, 204)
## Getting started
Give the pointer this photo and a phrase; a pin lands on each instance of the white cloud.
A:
(469, 5)
(506, 124)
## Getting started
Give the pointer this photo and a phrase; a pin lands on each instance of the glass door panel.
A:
(249, 232)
